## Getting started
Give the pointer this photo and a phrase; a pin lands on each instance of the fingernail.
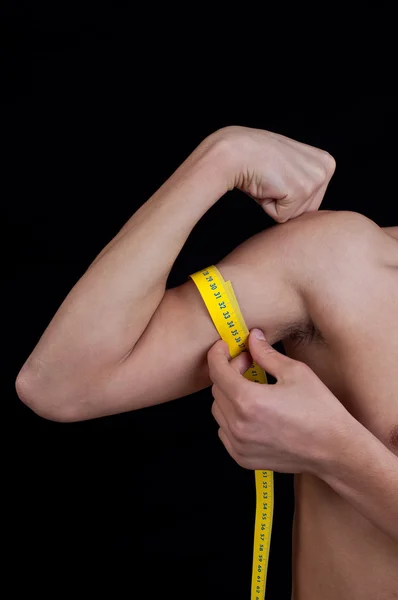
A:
(259, 334)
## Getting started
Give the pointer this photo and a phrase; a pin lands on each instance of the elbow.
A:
(43, 398)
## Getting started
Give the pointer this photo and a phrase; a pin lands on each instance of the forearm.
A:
(106, 312)
(365, 473)
(91, 360)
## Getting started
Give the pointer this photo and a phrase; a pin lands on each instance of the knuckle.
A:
(213, 409)
(240, 403)
(245, 408)
(306, 187)
(321, 174)
(238, 430)
(329, 162)
(249, 410)
(266, 350)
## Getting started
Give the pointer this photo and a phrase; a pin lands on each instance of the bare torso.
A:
(337, 552)
(337, 271)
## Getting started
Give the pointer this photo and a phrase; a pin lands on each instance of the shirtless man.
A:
(325, 283)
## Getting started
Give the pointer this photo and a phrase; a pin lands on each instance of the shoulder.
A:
(273, 270)
(321, 244)
(277, 273)
(333, 233)
(328, 247)
(345, 264)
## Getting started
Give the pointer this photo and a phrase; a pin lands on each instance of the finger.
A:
(299, 209)
(318, 197)
(219, 416)
(311, 204)
(227, 379)
(226, 440)
(276, 210)
(231, 411)
(263, 354)
(241, 363)
(282, 212)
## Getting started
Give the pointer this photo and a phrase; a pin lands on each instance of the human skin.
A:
(298, 282)
(94, 351)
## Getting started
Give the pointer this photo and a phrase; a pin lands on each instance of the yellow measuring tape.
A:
(220, 300)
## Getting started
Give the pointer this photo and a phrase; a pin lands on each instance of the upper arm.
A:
(271, 274)
(169, 360)
(281, 278)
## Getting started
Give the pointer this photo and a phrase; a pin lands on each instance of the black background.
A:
(92, 123)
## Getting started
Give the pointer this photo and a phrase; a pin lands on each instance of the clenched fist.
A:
(287, 178)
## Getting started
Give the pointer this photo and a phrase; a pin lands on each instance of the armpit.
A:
(393, 439)
(300, 335)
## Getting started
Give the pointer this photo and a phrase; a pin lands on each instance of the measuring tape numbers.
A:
(220, 300)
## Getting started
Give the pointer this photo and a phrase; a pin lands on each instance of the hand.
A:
(287, 178)
(296, 425)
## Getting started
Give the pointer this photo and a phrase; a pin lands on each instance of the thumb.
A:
(263, 354)
(273, 209)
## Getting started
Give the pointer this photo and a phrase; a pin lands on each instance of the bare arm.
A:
(104, 315)
(366, 474)
(99, 352)
(392, 231)
(169, 359)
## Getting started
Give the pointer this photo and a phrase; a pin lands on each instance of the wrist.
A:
(346, 445)
(201, 180)
(340, 447)
(226, 145)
